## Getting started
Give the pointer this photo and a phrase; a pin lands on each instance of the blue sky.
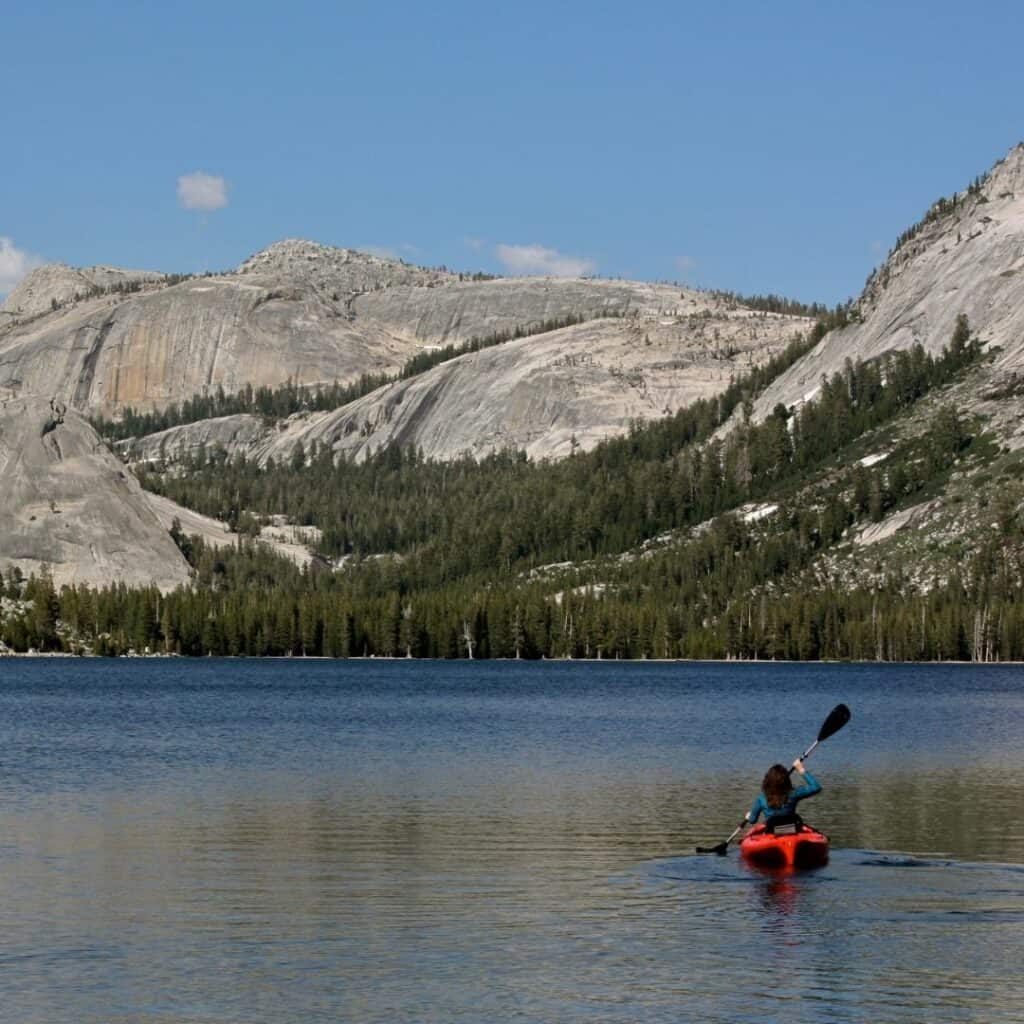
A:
(758, 147)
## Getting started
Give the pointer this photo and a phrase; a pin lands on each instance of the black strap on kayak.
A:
(784, 824)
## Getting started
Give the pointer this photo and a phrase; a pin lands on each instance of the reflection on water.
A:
(388, 842)
(901, 949)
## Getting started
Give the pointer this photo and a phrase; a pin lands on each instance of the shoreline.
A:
(536, 661)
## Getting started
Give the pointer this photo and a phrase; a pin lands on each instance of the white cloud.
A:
(201, 191)
(476, 244)
(686, 264)
(382, 252)
(536, 259)
(14, 264)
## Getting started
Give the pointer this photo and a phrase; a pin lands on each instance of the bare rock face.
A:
(239, 433)
(298, 310)
(291, 542)
(316, 314)
(966, 257)
(167, 345)
(284, 314)
(550, 394)
(462, 310)
(68, 504)
(547, 394)
(57, 285)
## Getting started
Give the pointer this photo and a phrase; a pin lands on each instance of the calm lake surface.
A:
(231, 841)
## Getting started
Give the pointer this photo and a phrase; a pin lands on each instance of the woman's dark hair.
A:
(777, 785)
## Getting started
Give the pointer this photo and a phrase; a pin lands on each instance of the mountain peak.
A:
(56, 284)
(1008, 174)
(965, 256)
(290, 255)
(342, 271)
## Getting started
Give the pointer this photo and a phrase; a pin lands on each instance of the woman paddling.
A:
(837, 718)
(778, 798)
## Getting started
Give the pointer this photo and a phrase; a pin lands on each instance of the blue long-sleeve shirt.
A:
(810, 786)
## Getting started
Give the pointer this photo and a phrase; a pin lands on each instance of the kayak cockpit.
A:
(799, 847)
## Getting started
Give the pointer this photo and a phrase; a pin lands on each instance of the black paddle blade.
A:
(837, 718)
(719, 849)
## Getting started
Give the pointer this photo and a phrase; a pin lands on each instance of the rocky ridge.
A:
(292, 543)
(56, 284)
(169, 344)
(296, 311)
(549, 394)
(966, 256)
(326, 267)
(68, 505)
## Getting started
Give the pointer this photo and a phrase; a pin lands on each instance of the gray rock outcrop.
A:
(965, 257)
(68, 504)
(57, 284)
(296, 311)
(169, 344)
(240, 433)
(290, 542)
(477, 309)
(546, 394)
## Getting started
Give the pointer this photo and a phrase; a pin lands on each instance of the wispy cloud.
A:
(476, 244)
(15, 263)
(537, 259)
(686, 264)
(201, 191)
(383, 252)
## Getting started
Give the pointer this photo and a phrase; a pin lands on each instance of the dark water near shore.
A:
(385, 842)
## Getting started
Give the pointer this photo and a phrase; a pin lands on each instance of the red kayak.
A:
(805, 847)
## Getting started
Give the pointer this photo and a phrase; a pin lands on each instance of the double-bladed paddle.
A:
(837, 718)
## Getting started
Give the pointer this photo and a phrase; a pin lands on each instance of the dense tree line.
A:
(781, 304)
(724, 595)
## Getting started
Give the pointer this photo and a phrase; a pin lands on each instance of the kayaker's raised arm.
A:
(810, 786)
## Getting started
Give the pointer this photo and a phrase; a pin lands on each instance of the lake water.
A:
(292, 841)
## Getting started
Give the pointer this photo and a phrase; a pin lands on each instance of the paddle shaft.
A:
(806, 754)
